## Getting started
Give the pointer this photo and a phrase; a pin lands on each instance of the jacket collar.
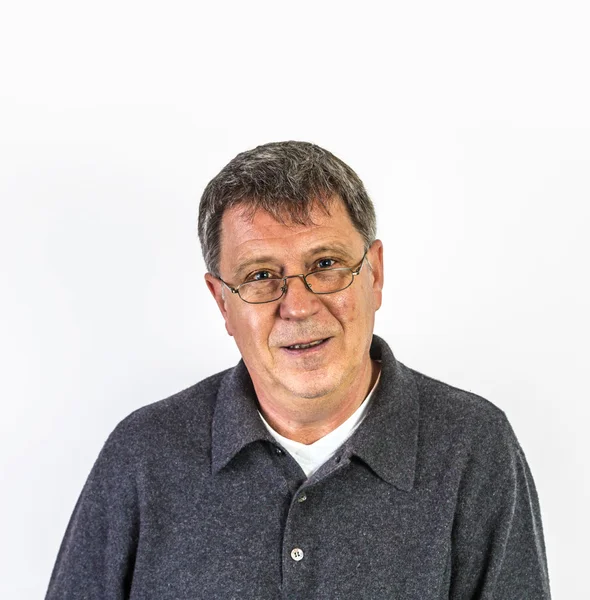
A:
(236, 423)
(386, 440)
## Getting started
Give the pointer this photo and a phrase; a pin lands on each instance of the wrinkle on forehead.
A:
(293, 215)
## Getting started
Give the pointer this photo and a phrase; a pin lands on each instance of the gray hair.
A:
(287, 180)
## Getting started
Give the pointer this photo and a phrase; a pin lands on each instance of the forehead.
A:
(245, 234)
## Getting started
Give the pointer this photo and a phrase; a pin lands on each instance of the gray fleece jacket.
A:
(191, 498)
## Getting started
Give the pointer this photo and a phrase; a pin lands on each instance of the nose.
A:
(298, 302)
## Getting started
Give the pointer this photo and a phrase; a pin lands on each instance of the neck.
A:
(316, 419)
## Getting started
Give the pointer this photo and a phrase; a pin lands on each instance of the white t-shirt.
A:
(312, 456)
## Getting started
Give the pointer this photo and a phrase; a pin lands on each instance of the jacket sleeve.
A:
(96, 558)
(498, 546)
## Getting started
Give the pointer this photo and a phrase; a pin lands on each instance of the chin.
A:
(310, 389)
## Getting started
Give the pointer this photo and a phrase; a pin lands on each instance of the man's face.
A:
(265, 333)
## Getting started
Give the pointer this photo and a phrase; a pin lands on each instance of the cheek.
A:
(251, 328)
(354, 311)
(347, 309)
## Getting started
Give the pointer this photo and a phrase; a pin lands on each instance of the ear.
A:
(375, 256)
(216, 288)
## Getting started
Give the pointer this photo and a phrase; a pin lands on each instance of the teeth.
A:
(310, 345)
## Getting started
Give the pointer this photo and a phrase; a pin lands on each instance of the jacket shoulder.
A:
(462, 414)
(473, 434)
(184, 416)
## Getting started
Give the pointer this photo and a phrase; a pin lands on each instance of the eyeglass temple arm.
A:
(228, 286)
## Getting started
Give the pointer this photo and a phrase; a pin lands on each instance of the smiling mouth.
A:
(306, 346)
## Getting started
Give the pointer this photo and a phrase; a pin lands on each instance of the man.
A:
(319, 466)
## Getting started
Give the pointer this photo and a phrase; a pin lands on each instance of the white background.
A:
(468, 123)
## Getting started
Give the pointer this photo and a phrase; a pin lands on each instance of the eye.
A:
(259, 276)
(326, 263)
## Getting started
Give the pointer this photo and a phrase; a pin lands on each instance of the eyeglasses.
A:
(321, 281)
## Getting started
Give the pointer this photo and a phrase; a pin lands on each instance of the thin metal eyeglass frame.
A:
(354, 272)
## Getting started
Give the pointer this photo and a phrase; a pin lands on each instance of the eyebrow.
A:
(268, 259)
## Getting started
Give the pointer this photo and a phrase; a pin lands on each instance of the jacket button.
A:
(297, 554)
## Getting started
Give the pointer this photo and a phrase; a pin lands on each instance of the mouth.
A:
(306, 347)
